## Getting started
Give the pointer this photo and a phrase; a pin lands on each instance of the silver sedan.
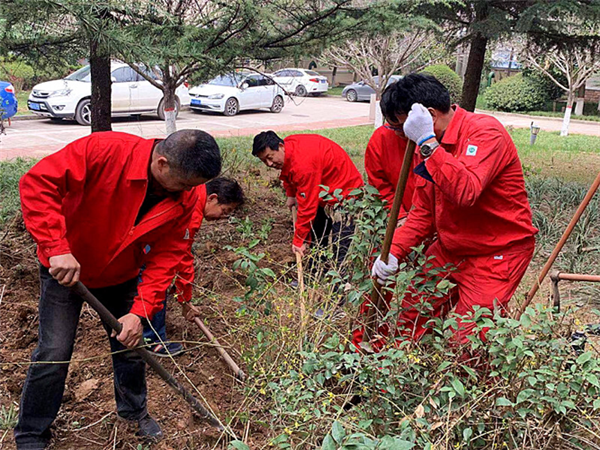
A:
(361, 91)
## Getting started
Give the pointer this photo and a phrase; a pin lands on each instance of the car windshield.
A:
(227, 80)
(82, 74)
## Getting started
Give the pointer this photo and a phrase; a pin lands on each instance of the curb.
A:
(528, 116)
(27, 117)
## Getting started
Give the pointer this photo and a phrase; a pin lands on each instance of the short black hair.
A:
(228, 191)
(192, 153)
(264, 140)
(399, 97)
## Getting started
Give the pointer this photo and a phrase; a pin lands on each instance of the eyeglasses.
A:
(393, 128)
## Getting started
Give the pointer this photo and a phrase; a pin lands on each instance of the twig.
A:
(97, 421)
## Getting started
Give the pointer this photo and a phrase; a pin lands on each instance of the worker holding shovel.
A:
(217, 199)
(470, 191)
(92, 208)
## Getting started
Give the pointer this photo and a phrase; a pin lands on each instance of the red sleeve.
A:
(165, 256)
(186, 274)
(462, 179)
(376, 173)
(307, 196)
(419, 224)
(45, 186)
(290, 190)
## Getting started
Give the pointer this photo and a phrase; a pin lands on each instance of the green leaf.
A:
(502, 401)
(467, 433)
(597, 404)
(458, 387)
(239, 445)
(337, 432)
(328, 443)
(593, 379)
(584, 357)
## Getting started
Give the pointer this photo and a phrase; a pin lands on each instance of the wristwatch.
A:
(427, 149)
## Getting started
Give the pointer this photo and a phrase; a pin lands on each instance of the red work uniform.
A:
(383, 161)
(477, 204)
(85, 199)
(185, 271)
(311, 161)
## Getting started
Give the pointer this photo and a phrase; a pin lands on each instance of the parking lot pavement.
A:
(37, 138)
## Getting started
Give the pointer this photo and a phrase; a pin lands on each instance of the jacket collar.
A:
(451, 134)
(138, 170)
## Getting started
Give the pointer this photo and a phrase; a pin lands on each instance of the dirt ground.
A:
(87, 418)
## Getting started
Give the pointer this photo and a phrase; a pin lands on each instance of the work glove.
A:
(383, 271)
(419, 124)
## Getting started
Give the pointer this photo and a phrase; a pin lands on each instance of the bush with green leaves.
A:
(448, 78)
(18, 73)
(516, 93)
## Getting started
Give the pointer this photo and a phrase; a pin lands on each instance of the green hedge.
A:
(516, 93)
(18, 73)
(448, 78)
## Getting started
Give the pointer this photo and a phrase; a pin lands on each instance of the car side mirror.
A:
(245, 86)
(361, 83)
(113, 79)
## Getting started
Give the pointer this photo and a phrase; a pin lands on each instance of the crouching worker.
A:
(217, 199)
(307, 162)
(471, 192)
(92, 208)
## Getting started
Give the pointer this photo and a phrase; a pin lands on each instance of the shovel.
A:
(113, 323)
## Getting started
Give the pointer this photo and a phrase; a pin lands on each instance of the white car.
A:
(235, 92)
(131, 94)
(301, 81)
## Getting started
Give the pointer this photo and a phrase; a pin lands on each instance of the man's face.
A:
(213, 210)
(273, 158)
(396, 124)
(172, 180)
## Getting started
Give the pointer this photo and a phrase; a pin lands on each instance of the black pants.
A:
(324, 228)
(45, 383)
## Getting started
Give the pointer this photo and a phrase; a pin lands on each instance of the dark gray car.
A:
(361, 91)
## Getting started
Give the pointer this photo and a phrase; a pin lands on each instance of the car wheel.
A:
(160, 112)
(83, 112)
(277, 105)
(232, 107)
(351, 95)
(301, 91)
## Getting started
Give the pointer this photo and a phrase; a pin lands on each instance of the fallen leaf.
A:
(86, 388)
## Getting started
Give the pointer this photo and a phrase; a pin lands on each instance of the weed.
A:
(8, 417)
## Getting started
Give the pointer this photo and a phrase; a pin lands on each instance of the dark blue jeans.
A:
(158, 331)
(45, 383)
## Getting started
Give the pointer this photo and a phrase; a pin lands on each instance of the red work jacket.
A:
(84, 200)
(383, 161)
(311, 161)
(185, 271)
(477, 201)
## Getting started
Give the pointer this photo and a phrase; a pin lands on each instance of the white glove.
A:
(419, 124)
(383, 271)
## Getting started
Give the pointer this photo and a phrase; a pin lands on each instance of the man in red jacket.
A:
(383, 161)
(471, 192)
(93, 208)
(307, 162)
(217, 199)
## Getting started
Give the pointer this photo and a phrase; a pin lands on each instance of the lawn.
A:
(300, 372)
(22, 99)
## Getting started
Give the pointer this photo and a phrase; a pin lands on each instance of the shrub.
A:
(516, 93)
(448, 78)
(19, 74)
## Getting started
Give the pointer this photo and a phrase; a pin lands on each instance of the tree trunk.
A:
(169, 101)
(333, 74)
(564, 131)
(473, 72)
(101, 88)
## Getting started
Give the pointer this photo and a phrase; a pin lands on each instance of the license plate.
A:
(34, 106)
(323, 81)
(195, 101)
